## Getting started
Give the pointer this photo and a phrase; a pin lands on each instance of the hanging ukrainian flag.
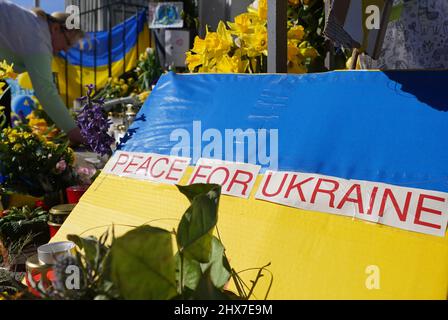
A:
(88, 63)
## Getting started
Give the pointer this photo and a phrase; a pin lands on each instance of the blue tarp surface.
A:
(379, 126)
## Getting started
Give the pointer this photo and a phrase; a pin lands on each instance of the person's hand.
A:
(75, 137)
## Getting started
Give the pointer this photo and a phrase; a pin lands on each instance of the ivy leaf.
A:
(194, 190)
(191, 272)
(143, 266)
(194, 234)
(219, 266)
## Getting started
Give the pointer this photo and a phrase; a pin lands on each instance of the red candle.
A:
(74, 193)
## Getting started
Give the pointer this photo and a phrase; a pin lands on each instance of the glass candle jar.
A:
(57, 216)
(39, 276)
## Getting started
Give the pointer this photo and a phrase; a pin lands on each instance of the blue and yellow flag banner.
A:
(338, 179)
(127, 40)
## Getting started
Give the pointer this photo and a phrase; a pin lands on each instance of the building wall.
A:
(213, 11)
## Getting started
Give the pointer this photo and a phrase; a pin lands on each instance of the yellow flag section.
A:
(313, 255)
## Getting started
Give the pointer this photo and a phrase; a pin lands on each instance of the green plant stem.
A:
(254, 283)
(236, 279)
(181, 283)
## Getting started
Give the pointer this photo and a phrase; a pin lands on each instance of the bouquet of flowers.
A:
(94, 124)
(31, 164)
(148, 70)
(242, 46)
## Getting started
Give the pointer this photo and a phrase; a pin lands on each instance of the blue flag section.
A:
(377, 126)
(127, 31)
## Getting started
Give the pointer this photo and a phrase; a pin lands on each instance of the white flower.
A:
(149, 51)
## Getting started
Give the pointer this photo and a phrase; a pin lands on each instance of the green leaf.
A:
(219, 267)
(194, 234)
(191, 272)
(142, 264)
(194, 190)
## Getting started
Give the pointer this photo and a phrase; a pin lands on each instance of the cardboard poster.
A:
(147, 166)
(405, 208)
(237, 179)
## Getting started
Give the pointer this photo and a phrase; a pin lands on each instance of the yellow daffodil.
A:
(293, 50)
(263, 9)
(220, 42)
(257, 43)
(296, 33)
(239, 46)
(225, 36)
(307, 51)
(259, 7)
(193, 60)
(226, 65)
(199, 45)
(242, 25)
(233, 64)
